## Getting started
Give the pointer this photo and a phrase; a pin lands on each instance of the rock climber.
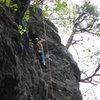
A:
(38, 46)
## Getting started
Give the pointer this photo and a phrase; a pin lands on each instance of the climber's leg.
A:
(41, 57)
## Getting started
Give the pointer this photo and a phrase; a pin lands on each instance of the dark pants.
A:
(41, 57)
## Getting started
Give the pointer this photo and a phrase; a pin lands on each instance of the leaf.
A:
(46, 7)
(45, 13)
(7, 2)
(98, 34)
(14, 6)
(21, 29)
(91, 57)
(26, 15)
(88, 50)
(60, 6)
(2, 0)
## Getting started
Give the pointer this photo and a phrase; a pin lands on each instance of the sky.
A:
(95, 2)
(87, 43)
(93, 43)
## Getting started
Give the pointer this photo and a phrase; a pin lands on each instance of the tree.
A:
(17, 6)
(22, 7)
(86, 20)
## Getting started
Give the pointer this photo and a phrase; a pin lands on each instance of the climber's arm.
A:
(42, 40)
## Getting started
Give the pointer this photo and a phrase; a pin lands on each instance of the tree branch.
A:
(89, 78)
(22, 7)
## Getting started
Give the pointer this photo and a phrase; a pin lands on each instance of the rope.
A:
(49, 68)
(49, 62)
(40, 72)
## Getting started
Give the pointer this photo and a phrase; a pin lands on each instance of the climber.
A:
(38, 46)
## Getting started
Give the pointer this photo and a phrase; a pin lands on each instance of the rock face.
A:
(21, 76)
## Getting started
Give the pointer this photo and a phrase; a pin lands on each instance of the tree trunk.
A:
(69, 42)
(22, 7)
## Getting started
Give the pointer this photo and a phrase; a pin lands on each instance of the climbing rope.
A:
(40, 72)
(49, 68)
(48, 61)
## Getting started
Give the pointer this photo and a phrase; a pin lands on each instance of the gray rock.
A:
(21, 76)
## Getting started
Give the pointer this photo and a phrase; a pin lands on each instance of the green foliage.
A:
(26, 15)
(14, 6)
(36, 4)
(89, 8)
(59, 5)
(98, 34)
(88, 14)
(10, 4)
(7, 2)
(45, 13)
(21, 29)
(2, 1)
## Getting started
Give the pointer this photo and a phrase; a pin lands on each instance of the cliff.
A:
(21, 76)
